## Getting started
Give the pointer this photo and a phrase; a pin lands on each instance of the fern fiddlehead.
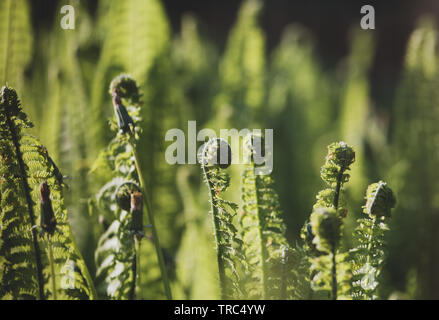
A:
(368, 257)
(125, 87)
(216, 156)
(323, 232)
(125, 233)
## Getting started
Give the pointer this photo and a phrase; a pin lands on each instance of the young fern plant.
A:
(369, 255)
(216, 156)
(267, 252)
(322, 234)
(29, 176)
(118, 252)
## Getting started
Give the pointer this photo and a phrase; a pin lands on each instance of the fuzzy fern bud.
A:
(217, 152)
(48, 221)
(379, 200)
(126, 88)
(326, 226)
(340, 157)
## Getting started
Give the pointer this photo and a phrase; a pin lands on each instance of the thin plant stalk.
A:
(52, 270)
(155, 235)
(137, 262)
(334, 249)
(261, 238)
(216, 228)
(134, 270)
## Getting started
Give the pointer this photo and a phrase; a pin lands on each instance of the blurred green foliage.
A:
(184, 77)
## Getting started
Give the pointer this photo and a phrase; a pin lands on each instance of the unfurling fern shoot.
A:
(368, 257)
(121, 152)
(125, 87)
(322, 234)
(216, 156)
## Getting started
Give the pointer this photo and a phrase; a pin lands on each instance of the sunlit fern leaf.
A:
(228, 244)
(263, 232)
(15, 40)
(414, 161)
(25, 164)
(355, 117)
(242, 66)
(304, 118)
(196, 265)
(115, 255)
(329, 270)
(134, 33)
(369, 255)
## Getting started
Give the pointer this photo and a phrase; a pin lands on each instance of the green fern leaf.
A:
(263, 233)
(213, 161)
(25, 163)
(369, 255)
(15, 40)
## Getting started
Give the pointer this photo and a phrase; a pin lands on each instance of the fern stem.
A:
(138, 281)
(134, 271)
(29, 202)
(334, 249)
(283, 288)
(216, 229)
(334, 274)
(52, 270)
(372, 236)
(263, 249)
(135, 268)
(151, 221)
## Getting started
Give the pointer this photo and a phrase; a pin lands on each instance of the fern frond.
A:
(322, 234)
(135, 33)
(25, 163)
(263, 231)
(20, 248)
(122, 158)
(115, 253)
(355, 117)
(15, 40)
(242, 66)
(369, 255)
(216, 156)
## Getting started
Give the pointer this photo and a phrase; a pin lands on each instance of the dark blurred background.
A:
(328, 21)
